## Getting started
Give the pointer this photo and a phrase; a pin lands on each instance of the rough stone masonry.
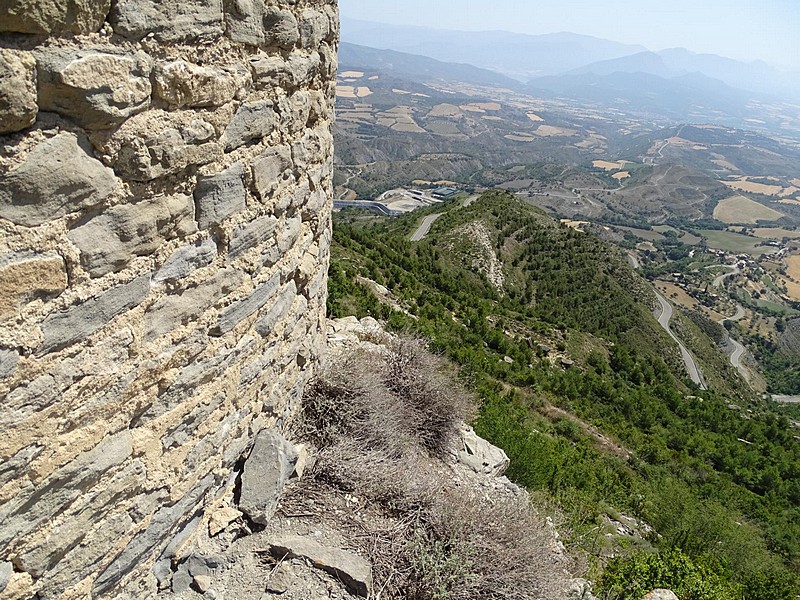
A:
(165, 185)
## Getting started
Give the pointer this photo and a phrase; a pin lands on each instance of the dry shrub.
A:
(384, 424)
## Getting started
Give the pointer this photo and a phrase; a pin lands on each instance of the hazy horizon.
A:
(734, 28)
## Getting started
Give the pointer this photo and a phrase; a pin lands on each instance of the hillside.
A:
(585, 392)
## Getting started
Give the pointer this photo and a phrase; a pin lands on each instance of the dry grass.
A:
(384, 424)
(756, 188)
(739, 209)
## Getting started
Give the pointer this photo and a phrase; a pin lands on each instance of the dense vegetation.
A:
(567, 347)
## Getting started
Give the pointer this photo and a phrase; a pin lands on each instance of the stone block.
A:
(37, 505)
(349, 568)
(278, 310)
(184, 261)
(6, 570)
(57, 177)
(180, 83)
(220, 196)
(251, 235)
(156, 143)
(239, 311)
(109, 241)
(281, 28)
(272, 71)
(171, 311)
(314, 28)
(266, 471)
(8, 362)
(80, 321)
(290, 233)
(270, 169)
(253, 121)
(146, 545)
(18, 98)
(53, 16)
(27, 275)
(168, 20)
(98, 88)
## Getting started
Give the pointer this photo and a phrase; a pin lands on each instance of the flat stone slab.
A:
(349, 568)
(266, 471)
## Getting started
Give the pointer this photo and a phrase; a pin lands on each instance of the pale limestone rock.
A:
(270, 169)
(18, 97)
(239, 311)
(168, 20)
(156, 143)
(314, 28)
(220, 518)
(8, 362)
(58, 177)
(169, 312)
(253, 121)
(96, 87)
(24, 276)
(53, 16)
(186, 260)
(109, 241)
(349, 568)
(280, 28)
(220, 196)
(251, 235)
(181, 83)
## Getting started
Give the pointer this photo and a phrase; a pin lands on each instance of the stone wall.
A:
(165, 178)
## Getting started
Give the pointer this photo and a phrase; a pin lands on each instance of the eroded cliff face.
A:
(165, 176)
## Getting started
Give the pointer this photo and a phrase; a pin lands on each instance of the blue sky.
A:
(741, 29)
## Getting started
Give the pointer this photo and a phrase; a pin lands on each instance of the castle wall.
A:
(165, 197)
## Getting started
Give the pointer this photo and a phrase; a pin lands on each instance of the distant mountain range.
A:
(674, 83)
(418, 68)
(520, 56)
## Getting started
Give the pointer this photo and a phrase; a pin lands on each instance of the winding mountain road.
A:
(664, 319)
(425, 227)
(719, 280)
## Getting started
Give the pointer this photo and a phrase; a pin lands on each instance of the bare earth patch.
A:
(756, 188)
(352, 74)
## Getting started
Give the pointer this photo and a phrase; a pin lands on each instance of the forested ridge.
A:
(567, 347)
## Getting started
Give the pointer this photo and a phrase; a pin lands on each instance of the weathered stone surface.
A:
(155, 144)
(349, 568)
(251, 235)
(98, 88)
(27, 275)
(253, 121)
(171, 311)
(8, 362)
(661, 595)
(220, 196)
(270, 71)
(181, 83)
(314, 28)
(479, 455)
(270, 169)
(186, 260)
(58, 177)
(53, 16)
(281, 27)
(244, 20)
(164, 522)
(33, 507)
(266, 471)
(278, 310)
(18, 106)
(109, 241)
(79, 322)
(168, 20)
(239, 311)
(6, 569)
(288, 235)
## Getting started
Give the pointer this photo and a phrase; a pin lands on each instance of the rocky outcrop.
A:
(164, 241)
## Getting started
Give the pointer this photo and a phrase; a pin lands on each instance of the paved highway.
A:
(424, 227)
(691, 365)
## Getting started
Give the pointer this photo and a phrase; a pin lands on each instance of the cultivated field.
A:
(739, 209)
(743, 185)
(776, 233)
(735, 242)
